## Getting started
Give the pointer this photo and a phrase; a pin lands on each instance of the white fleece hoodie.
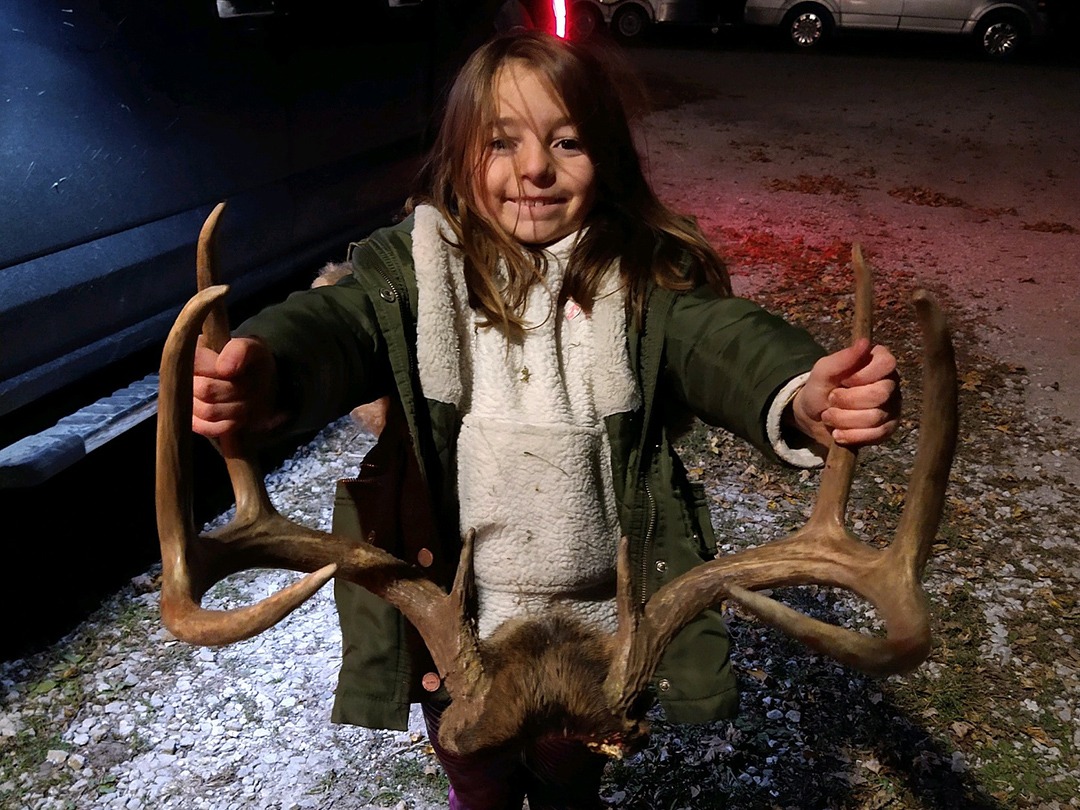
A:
(534, 462)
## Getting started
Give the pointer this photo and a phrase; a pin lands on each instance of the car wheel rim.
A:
(584, 26)
(630, 25)
(806, 29)
(1000, 39)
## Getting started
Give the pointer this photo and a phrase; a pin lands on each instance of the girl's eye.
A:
(568, 144)
(501, 143)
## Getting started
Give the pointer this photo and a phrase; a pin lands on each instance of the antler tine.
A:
(183, 587)
(835, 485)
(938, 428)
(823, 551)
(216, 325)
(244, 473)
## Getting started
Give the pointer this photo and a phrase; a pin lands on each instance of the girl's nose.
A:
(536, 165)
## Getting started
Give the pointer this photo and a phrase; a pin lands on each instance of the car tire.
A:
(629, 24)
(808, 27)
(586, 21)
(1001, 37)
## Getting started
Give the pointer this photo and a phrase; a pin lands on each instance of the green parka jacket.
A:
(722, 358)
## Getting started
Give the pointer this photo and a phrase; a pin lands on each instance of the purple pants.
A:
(555, 774)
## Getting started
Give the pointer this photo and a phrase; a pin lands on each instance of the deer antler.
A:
(258, 536)
(551, 672)
(824, 551)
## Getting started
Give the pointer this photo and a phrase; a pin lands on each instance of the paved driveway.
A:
(964, 173)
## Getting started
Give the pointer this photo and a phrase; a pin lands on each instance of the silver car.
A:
(999, 28)
(630, 20)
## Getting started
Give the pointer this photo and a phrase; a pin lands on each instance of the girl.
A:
(535, 321)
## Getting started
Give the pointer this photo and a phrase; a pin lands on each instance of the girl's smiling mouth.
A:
(535, 202)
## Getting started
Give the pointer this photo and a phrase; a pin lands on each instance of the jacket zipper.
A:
(402, 303)
(650, 533)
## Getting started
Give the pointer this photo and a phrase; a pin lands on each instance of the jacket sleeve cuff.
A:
(785, 442)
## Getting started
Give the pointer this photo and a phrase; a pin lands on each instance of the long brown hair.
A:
(628, 222)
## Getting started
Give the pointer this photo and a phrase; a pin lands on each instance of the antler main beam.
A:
(824, 551)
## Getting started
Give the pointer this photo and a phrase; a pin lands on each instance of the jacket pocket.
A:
(706, 537)
(365, 506)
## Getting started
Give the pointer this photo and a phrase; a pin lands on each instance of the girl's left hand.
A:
(851, 397)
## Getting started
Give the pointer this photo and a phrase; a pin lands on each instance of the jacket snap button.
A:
(431, 681)
(387, 295)
(663, 685)
(425, 557)
(661, 566)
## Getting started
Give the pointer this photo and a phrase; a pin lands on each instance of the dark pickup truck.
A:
(122, 124)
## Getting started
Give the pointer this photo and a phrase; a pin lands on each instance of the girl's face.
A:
(536, 183)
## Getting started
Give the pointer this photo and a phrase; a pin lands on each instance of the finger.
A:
(236, 357)
(211, 429)
(865, 418)
(861, 437)
(880, 364)
(873, 395)
(214, 391)
(838, 366)
(231, 411)
(206, 360)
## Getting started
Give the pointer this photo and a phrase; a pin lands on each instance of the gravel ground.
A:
(158, 723)
(120, 715)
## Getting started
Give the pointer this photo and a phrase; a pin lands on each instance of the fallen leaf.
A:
(1039, 736)
(961, 729)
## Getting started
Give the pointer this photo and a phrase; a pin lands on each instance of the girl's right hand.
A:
(235, 390)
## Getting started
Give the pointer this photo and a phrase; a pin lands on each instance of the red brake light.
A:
(559, 8)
